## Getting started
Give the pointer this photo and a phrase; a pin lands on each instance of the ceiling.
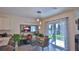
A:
(31, 12)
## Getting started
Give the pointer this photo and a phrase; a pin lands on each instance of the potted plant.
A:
(41, 37)
(35, 35)
(16, 38)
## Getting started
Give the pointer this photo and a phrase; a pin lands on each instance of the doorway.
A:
(58, 33)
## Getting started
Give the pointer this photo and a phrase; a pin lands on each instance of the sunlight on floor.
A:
(60, 43)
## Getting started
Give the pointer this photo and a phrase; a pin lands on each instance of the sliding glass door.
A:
(60, 33)
(57, 32)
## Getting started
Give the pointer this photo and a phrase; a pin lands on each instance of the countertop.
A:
(4, 41)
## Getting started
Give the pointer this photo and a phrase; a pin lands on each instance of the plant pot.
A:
(16, 46)
(41, 38)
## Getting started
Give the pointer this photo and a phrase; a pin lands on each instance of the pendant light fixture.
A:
(40, 22)
(38, 19)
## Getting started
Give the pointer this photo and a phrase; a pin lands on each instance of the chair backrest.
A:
(46, 41)
(29, 36)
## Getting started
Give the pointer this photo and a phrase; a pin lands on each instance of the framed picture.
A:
(28, 28)
(24, 28)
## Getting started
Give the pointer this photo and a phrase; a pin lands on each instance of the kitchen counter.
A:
(4, 41)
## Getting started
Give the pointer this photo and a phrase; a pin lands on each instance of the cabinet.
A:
(4, 24)
(0, 23)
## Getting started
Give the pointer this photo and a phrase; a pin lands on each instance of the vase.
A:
(16, 46)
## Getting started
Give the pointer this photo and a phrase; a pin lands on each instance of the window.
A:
(33, 28)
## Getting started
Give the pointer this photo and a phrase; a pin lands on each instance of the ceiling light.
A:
(40, 23)
(38, 20)
(39, 27)
(39, 12)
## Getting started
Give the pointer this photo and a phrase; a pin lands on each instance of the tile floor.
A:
(38, 48)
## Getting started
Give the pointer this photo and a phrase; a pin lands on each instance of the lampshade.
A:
(37, 19)
(39, 27)
(40, 23)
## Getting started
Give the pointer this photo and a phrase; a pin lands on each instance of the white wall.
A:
(15, 22)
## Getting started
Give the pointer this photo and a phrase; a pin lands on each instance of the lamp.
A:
(39, 13)
(38, 19)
